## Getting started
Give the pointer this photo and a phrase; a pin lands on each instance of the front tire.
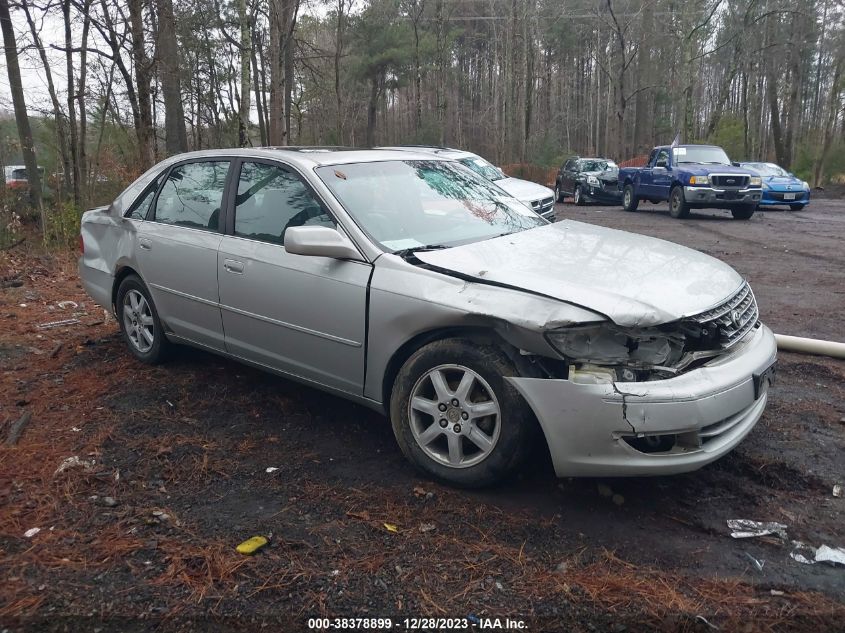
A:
(139, 322)
(456, 418)
(630, 202)
(578, 196)
(744, 212)
(558, 193)
(678, 207)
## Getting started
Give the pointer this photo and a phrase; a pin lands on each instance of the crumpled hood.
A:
(609, 175)
(524, 190)
(632, 279)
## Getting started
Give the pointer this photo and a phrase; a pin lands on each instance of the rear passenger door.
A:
(177, 250)
(305, 316)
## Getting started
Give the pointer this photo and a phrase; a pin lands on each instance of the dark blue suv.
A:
(691, 177)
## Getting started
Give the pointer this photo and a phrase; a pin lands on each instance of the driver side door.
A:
(302, 315)
(661, 176)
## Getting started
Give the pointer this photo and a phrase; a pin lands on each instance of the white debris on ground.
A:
(74, 462)
(746, 528)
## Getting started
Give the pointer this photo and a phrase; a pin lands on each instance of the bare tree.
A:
(13, 70)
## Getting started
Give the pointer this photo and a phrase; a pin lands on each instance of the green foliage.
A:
(729, 136)
(381, 40)
(805, 157)
(62, 225)
(548, 153)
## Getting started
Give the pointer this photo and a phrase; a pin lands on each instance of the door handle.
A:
(144, 243)
(233, 266)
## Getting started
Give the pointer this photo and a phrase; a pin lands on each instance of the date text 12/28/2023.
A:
(418, 624)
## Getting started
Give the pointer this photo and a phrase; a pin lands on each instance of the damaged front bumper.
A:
(658, 427)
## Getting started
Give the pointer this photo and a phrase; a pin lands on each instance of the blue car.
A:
(780, 188)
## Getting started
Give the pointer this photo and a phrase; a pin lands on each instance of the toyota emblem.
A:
(735, 318)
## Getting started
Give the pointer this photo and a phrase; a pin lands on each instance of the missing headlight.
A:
(607, 344)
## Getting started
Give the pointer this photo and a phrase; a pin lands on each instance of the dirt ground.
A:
(173, 474)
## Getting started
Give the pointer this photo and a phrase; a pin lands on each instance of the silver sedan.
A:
(412, 285)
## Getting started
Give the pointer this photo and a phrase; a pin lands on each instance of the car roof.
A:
(309, 157)
(687, 145)
(443, 152)
(610, 160)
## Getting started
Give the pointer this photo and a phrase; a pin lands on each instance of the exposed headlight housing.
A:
(755, 181)
(592, 180)
(608, 344)
(699, 180)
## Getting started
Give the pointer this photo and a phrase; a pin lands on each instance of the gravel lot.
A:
(145, 535)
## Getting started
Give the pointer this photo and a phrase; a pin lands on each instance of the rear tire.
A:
(139, 322)
(480, 441)
(678, 207)
(744, 212)
(797, 207)
(629, 199)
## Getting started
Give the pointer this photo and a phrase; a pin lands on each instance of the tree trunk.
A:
(830, 127)
(175, 134)
(21, 118)
(372, 109)
(245, 51)
(61, 121)
(259, 87)
(143, 77)
(71, 103)
(83, 112)
(338, 52)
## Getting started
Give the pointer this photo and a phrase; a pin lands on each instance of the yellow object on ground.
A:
(252, 545)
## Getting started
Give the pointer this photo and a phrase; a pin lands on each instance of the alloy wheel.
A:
(138, 322)
(454, 415)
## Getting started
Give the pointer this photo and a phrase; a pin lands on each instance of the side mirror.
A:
(736, 164)
(320, 241)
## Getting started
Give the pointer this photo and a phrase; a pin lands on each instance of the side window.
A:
(141, 206)
(270, 200)
(568, 165)
(651, 158)
(662, 158)
(192, 195)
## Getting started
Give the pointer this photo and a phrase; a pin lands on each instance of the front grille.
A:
(726, 181)
(734, 318)
(544, 205)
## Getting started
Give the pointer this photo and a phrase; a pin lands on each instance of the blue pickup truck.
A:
(691, 177)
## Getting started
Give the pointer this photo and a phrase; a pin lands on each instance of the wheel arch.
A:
(479, 333)
(122, 272)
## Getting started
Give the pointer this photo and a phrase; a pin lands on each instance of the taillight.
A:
(81, 245)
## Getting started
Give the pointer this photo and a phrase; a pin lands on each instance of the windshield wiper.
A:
(405, 252)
